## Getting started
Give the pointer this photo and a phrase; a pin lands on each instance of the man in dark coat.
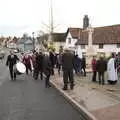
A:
(68, 64)
(11, 62)
(77, 64)
(59, 62)
(47, 66)
(101, 67)
(52, 59)
(39, 66)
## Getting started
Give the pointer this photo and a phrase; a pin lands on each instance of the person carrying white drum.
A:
(11, 62)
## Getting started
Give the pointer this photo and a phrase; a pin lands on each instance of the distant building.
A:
(25, 43)
(12, 43)
(57, 38)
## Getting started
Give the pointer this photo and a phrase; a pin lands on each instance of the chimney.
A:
(85, 22)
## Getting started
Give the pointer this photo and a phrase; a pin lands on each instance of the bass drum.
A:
(20, 68)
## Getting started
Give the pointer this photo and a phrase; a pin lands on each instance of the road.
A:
(28, 99)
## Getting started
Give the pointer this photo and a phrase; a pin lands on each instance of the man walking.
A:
(39, 66)
(27, 62)
(11, 62)
(59, 59)
(47, 66)
(68, 64)
(101, 67)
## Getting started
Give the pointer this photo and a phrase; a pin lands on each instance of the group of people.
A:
(111, 65)
(43, 64)
(34, 62)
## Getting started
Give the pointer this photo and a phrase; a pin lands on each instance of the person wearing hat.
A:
(11, 62)
(68, 65)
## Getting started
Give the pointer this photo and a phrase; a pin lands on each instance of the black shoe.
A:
(64, 88)
(71, 87)
(35, 78)
(14, 79)
(49, 85)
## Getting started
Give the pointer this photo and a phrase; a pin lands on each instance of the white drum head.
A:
(21, 67)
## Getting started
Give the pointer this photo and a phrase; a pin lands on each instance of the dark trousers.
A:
(59, 68)
(68, 75)
(12, 73)
(101, 77)
(84, 71)
(28, 67)
(47, 81)
(94, 76)
(52, 71)
(37, 72)
(76, 70)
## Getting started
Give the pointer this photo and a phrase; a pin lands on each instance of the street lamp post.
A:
(33, 33)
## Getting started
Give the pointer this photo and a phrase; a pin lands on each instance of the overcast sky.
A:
(19, 16)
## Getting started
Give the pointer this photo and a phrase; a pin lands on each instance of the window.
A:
(118, 45)
(82, 46)
(100, 46)
(69, 40)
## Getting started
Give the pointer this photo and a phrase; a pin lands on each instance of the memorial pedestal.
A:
(89, 55)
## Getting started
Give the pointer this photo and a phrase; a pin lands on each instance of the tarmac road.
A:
(28, 99)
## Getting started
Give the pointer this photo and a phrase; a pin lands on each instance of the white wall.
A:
(73, 41)
(106, 48)
(11, 45)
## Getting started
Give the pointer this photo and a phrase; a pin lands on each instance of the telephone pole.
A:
(51, 22)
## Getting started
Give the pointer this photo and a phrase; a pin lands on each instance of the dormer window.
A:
(118, 45)
(69, 40)
(100, 46)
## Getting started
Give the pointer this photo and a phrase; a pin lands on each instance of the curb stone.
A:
(86, 115)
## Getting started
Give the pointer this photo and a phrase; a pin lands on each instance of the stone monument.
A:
(90, 52)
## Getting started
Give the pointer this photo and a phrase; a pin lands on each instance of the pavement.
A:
(94, 101)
